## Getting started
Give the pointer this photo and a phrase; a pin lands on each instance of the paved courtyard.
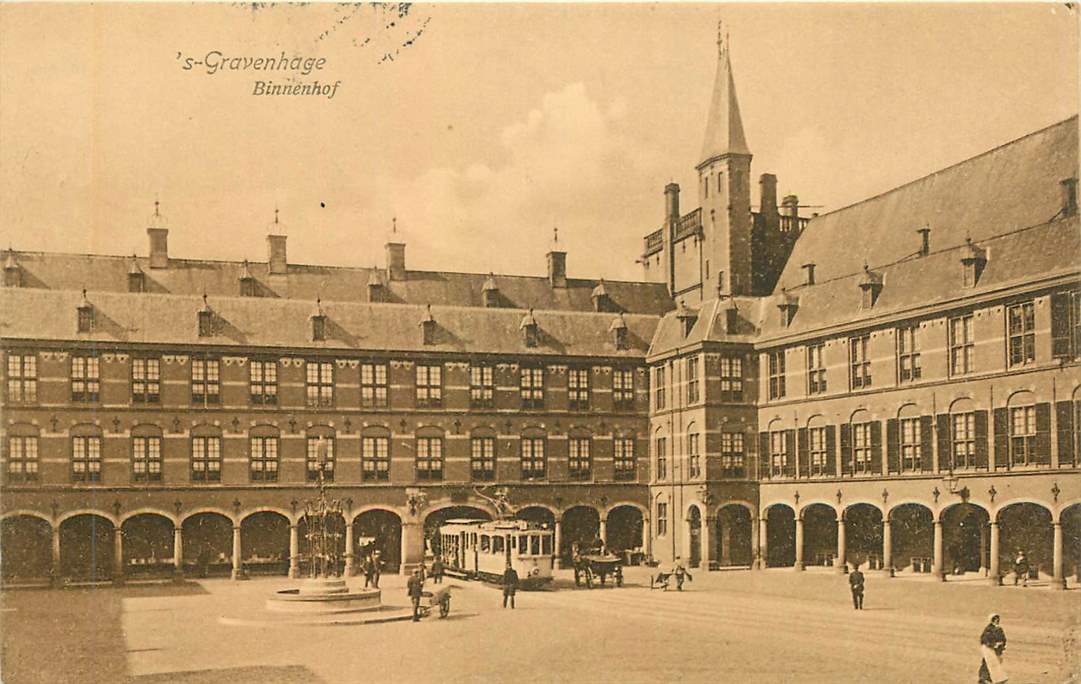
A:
(773, 626)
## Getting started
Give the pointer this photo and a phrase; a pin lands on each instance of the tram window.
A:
(483, 542)
(497, 544)
(535, 545)
(523, 544)
(546, 542)
(510, 540)
(474, 539)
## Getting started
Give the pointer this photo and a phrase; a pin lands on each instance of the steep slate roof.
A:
(221, 278)
(711, 326)
(724, 127)
(285, 323)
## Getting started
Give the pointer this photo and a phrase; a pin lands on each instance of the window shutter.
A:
(1064, 424)
(1043, 433)
(1002, 438)
(893, 458)
(876, 447)
(790, 452)
(1060, 325)
(925, 442)
(945, 457)
(804, 452)
(831, 449)
(846, 449)
(763, 455)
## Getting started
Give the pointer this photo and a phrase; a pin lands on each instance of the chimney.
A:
(1069, 196)
(810, 271)
(790, 205)
(925, 241)
(396, 260)
(557, 263)
(159, 240)
(275, 249)
(767, 198)
(671, 202)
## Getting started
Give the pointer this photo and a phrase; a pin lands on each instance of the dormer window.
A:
(686, 317)
(206, 320)
(601, 301)
(490, 292)
(619, 332)
(1069, 196)
(247, 282)
(870, 287)
(13, 274)
(376, 287)
(787, 305)
(427, 325)
(731, 318)
(85, 315)
(319, 323)
(973, 259)
(136, 277)
(530, 330)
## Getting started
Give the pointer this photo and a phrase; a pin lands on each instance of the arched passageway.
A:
(694, 536)
(434, 520)
(912, 537)
(147, 545)
(780, 536)
(1071, 542)
(86, 548)
(379, 530)
(581, 525)
(335, 545)
(733, 541)
(538, 515)
(208, 544)
(863, 536)
(25, 548)
(964, 538)
(624, 529)
(819, 534)
(264, 538)
(1025, 527)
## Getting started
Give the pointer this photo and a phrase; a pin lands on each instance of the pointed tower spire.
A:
(724, 127)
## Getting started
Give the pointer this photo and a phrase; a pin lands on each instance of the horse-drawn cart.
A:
(588, 566)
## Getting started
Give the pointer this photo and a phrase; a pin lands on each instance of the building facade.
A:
(894, 383)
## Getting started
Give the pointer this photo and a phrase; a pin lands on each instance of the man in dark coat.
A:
(510, 585)
(366, 566)
(855, 582)
(377, 569)
(437, 570)
(680, 571)
(415, 589)
(1020, 569)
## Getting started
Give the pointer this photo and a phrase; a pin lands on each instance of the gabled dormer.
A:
(377, 287)
(427, 325)
(319, 322)
(870, 287)
(247, 281)
(490, 292)
(787, 305)
(973, 259)
(85, 315)
(618, 329)
(601, 300)
(686, 317)
(13, 273)
(530, 329)
(206, 319)
(136, 277)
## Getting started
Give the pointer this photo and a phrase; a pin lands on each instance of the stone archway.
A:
(964, 538)
(912, 537)
(863, 536)
(264, 538)
(86, 547)
(379, 530)
(434, 520)
(1071, 541)
(208, 544)
(148, 545)
(25, 548)
(1025, 526)
(734, 536)
(538, 515)
(780, 536)
(624, 528)
(819, 534)
(581, 525)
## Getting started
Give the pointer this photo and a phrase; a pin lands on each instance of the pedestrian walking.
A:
(681, 572)
(366, 567)
(437, 571)
(510, 585)
(1020, 569)
(855, 582)
(377, 569)
(415, 589)
(992, 645)
(423, 571)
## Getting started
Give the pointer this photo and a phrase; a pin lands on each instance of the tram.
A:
(482, 549)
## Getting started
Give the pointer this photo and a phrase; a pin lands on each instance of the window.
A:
(623, 388)
(816, 368)
(578, 388)
(1022, 332)
(816, 438)
(146, 459)
(963, 446)
(662, 519)
(1066, 325)
(732, 455)
(731, 378)
(205, 381)
(264, 382)
(86, 318)
(1022, 436)
(373, 385)
(658, 387)
(911, 450)
(861, 447)
(320, 383)
(859, 363)
(145, 381)
(532, 388)
(962, 345)
(86, 459)
(85, 378)
(533, 459)
(692, 379)
(319, 328)
(581, 464)
(429, 458)
(22, 377)
(206, 323)
(206, 459)
(22, 459)
(429, 386)
(481, 387)
(776, 374)
(320, 457)
(778, 453)
(908, 353)
(375, 458)
(662, 458)
(624, 458)
(694, 458)
(264, 459)
(482, 459)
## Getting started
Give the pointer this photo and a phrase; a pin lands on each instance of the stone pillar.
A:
(647, 537)
(557, 562)
(412, 551)
(983, 550)
(603, 531)
(178, 551)
(936, 562)
(349, 549)
(725, 529)
(1058, 579)
(760, 531)
(237, 567)
(992, 561)
(55, 570)
(294, 551)
(887, 547)
(118, 554)
(799, 543)
(839, 563)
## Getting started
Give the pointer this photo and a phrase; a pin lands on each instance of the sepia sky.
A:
(493, 125)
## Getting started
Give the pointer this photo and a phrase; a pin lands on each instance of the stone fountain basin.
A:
(324, 595)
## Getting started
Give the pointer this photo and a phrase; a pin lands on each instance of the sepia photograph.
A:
(540, 342)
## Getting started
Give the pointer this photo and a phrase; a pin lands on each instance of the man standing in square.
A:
(855, 582)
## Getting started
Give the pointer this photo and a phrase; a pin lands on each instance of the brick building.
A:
(892, 383)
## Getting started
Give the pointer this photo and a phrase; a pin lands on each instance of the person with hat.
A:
(510, 585)
(992, 645)
(855, 582)
(1020, 569)
(415, 589)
